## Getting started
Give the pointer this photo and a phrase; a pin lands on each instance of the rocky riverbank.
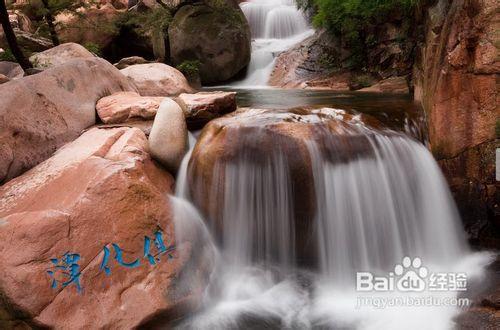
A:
(85, 172)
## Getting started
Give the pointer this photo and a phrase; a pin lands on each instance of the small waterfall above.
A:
(276, 26)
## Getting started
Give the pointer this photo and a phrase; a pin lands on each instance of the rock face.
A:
(300, 66)
(323, 60)
(128, 61)
(3, 79)
(11, 70)
(40, 113)
(102, 189)
(123, 106)
(456, 79)
(168, 140)
(157, 79)
(393, 85)
(202, 107)
(252, 137)
(59, 55)
(216, 34)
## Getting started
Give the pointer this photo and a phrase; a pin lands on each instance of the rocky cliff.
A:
(456, 80)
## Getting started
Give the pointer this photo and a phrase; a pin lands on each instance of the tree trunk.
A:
(11, 38)
(50, 23)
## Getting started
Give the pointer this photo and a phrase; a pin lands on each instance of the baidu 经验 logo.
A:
(411, 276)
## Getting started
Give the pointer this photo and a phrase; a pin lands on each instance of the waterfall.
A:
(375, 209)
(276, 26)
(379, 198)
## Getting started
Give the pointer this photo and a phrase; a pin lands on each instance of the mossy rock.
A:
(216, 34)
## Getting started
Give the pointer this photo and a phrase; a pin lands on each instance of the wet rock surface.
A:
(484, 313)
(322, 62)
(202, 107)
(254, 136)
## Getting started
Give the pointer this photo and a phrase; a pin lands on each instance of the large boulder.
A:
(102, 189)
(40, 113)
(253, 140)
(168, 140)
(456, 79)
(157, 79)
(215, 33)
(60, 54)
(124, 106)
(202, 107)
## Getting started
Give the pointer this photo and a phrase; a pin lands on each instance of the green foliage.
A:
(351, 19)
(45, 12)
(328, 62)
(55, 7)
(190, 68)
(7, 55)
(93, 48)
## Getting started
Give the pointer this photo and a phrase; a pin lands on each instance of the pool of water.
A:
(397, 112)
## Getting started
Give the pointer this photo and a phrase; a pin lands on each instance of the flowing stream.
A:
(380, 205)
(276, 26)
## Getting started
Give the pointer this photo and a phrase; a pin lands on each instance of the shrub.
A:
(190, 68)
(350, 19)
(7, 55)
(93, 48)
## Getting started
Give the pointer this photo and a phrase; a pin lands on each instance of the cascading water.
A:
(276, 26)
(375, 209)
(379, 196)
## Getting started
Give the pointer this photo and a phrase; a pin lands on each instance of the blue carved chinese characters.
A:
(118, 258)
(65, 271)
(160, 246)
(68, 268)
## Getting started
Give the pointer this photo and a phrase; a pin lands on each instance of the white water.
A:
(373, 209)
(394, 203)
(276, 26)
